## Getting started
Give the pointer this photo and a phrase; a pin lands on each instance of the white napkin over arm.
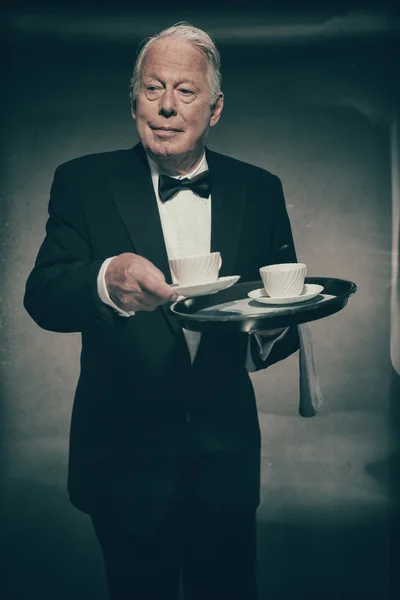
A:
(310, 391)
(310, 395)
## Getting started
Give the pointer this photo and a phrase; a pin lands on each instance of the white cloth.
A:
(310, 392)
(186, 225)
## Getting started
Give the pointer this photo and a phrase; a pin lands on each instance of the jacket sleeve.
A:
(282, 251)
(61, 291)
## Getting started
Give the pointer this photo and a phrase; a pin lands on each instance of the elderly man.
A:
(165, 441)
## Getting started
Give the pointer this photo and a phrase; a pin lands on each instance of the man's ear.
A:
(216, 109)
(133, 108)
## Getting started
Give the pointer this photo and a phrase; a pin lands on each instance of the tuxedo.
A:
(130, 431)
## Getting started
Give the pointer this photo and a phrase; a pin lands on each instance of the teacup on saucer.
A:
(285, 280)
(196, 270)
(310, 291)
(205, 289)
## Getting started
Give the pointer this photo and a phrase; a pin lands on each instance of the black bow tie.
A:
(168, 186)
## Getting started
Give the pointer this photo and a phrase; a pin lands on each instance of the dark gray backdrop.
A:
(311, 97)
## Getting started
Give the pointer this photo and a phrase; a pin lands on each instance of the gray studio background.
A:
(309, 97)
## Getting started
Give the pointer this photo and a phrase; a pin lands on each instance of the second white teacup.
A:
(196, 270)
(284, 280)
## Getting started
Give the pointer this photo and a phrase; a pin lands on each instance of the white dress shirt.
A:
(186, 226)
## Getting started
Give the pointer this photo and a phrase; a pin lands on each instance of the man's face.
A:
(173, 107)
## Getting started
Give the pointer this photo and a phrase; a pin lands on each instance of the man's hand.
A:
(134, 283)
(270, 333)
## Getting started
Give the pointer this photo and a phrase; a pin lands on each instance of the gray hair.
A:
(185, 32)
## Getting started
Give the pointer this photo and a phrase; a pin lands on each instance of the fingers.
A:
(148, 301)
(153, 285)
(134, 283)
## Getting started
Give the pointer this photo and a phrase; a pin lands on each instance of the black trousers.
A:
(210, 551)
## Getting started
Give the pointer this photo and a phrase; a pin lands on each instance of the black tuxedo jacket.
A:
(129, 430)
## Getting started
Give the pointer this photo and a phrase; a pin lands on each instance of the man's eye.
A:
(186, 92)
(151, 88)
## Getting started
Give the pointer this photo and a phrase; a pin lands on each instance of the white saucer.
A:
(310, 290)
(204, 289)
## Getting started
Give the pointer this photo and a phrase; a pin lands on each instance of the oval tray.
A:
(232, 311)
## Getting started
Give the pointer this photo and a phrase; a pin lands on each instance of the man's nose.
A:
(167, 105)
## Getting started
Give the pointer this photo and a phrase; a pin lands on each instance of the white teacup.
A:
(285, 280)
(196, 270)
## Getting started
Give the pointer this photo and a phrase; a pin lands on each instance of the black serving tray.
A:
(222, 312)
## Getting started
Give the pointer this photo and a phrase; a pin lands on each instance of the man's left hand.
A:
(270, 333)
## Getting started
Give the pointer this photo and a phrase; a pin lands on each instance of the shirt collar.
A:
(156, 170)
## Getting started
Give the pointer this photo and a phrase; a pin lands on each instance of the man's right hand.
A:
(134, 283)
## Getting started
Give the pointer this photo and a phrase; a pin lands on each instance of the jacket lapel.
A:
(134, 196)
(227, 210)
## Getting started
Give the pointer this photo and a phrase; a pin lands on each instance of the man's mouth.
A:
(164, 133)
(167, 129)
